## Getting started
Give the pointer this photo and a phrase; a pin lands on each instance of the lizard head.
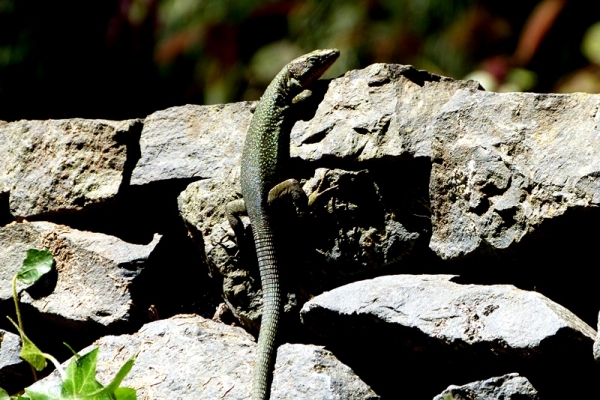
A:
(305, 69)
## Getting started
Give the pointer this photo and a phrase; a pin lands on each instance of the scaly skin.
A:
(265, 149)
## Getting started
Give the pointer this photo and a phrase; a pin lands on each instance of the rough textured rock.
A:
(506, 387)
(202, 205)
(192, 142)
(14, 372)
(55, 166)
(188, 357)
(353, 232)
(504, 163)
(310, 372)
(380, 111)
(94, 271)
(455, 332)
(452, 314)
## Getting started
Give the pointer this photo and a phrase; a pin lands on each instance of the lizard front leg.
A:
(234, 210)
(288, 191)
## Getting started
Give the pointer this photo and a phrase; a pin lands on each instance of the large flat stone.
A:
(505, 163)
(94, 271)
(58, 166)
(189, 357)
(432, 307)
(192, 142)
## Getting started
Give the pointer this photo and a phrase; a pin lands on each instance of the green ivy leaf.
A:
(80, 383)
(125, 393)
(80, 375)
(44, 390)
(31, 354)
(76, 354)
(113, 386)
(36, 264)
(29, 351)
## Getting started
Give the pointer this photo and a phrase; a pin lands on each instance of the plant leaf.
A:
(76, 354)
(31, 354)
(29, 351)
(125, 393)
(114, 384)
(45, 390)
(80, 375)
(80, 383)
(36, 264)
(4, 395)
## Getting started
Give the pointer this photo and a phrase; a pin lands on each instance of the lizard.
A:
(265, 150)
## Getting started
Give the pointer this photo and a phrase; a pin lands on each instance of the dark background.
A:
(119, 59)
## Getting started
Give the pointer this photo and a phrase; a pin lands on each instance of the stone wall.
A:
(450, 241)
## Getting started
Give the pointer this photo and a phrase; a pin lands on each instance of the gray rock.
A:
(381, 111)
(189, 357)
(311, 372)
(14, 372)
(448, 332)
(56, 166)
(10, 347)
(352, 227)
(192, 142)
(94, 271)
(504, 163)
(201, 143)
(497, 319)
(506, 387)
(202, 206)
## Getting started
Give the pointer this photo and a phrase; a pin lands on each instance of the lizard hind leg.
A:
(234, 211)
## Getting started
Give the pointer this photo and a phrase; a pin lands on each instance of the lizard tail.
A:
(269, 276)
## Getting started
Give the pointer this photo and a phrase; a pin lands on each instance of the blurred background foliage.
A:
(118, 59)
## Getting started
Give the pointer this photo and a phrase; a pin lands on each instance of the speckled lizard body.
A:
(265, 149)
